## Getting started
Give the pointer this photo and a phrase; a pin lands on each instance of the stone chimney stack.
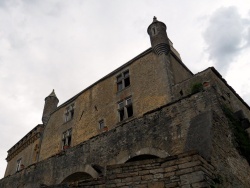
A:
(50, 105)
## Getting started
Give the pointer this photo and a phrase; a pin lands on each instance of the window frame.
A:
(101, 124)
(128, 106)
(18, 165)
(69, 112)
(67, 138)
(124, 109)
(123, 80)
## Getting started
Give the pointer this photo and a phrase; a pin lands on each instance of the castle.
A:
(149, 123)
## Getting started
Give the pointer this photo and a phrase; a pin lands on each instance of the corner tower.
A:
(50, 105)
(158, 37)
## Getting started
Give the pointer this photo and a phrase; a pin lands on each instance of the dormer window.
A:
(123, 80)
(69, 112)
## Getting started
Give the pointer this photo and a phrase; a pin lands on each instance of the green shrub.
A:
(197, 87)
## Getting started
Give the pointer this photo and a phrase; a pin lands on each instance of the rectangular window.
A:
(69, 112)
(66, 139)
(101, 124)
(121, 111)
(123, 80)
(18, 165)
(125, 109)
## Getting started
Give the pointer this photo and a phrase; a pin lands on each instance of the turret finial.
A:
(154, 19)
(52, 94)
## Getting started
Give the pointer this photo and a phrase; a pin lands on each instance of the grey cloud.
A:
(225, 36)
(248, 37)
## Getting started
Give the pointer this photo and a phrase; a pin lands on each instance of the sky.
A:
(67, 45)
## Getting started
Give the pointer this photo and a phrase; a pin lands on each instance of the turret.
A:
(158, 37)
(50, 105)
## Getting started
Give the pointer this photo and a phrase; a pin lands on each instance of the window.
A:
(101, 124)
(66, 139)
(18, 165)
(125, 109)
(154, 31)
(69, 112)
(123, 80)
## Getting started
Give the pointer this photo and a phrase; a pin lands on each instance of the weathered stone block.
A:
(171, 168)
(156, 185)
(193, 177)
(184, 171)
(189, 164)
(158, 176)
(147, 177)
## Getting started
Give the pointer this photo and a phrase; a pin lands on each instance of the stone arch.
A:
(144, 151)
(142, 157)
(77, 176)
(77, 172)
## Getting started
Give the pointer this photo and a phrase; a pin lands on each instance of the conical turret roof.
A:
(52, 94)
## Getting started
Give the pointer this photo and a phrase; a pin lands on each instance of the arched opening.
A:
(141, 158)
(142, 154)
(99, 169)
(78, 176)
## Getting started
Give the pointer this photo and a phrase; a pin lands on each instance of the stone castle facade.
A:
(149, 123)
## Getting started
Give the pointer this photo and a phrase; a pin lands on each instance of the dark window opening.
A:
(67, 139)
(72, 113)
(181, 92)
(126, 82)
(64, 142)
(130, 111)
(101, 124)
(141, 158)
(223, 98)
(119, 86)
(123, 80)
(121, 112)
(98, 168)
(125, 109)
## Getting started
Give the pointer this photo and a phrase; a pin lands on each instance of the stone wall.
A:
(211, 79)
(26, 150)
(100, 102)
(231, 167)
(169, 130)
(149, 88)
(196, 122)
(183, 170)
(179, 72)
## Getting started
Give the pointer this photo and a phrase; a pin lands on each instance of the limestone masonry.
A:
(150, 123)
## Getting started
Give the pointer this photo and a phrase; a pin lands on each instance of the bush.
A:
(197, 87)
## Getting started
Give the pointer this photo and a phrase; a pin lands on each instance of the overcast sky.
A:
(67, 45)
